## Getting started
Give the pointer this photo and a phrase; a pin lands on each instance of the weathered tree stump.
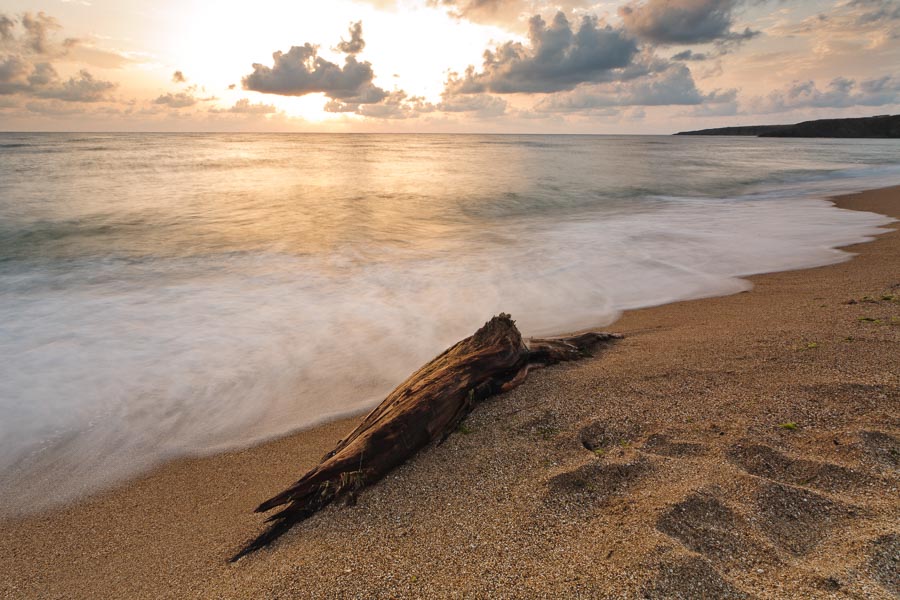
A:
(428, 406)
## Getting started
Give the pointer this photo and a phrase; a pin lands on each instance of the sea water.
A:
(171, 295)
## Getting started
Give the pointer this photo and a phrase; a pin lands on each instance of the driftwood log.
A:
(428, 406)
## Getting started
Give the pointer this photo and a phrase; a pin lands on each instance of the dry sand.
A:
(664, 467)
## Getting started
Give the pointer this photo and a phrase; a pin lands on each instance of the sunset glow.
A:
(641, 66)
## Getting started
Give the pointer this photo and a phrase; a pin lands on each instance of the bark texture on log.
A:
(428, 406)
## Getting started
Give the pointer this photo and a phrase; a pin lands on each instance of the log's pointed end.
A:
(299, 509)
(273, 502)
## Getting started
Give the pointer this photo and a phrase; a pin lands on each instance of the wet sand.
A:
(743, 446)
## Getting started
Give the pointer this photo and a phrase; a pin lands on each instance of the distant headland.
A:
(881, 126)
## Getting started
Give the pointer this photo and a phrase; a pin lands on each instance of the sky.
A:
(478, 66)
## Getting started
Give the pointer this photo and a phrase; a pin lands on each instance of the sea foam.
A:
(112, 363)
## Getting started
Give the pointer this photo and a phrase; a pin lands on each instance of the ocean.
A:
(176, 295)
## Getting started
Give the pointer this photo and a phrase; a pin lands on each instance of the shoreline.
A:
(167, 533)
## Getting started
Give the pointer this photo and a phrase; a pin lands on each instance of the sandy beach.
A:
(732, 447)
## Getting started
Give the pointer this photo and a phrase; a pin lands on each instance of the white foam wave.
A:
(99, 382)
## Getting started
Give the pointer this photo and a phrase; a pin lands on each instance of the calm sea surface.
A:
(170, 295)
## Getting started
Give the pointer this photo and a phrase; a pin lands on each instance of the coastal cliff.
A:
(881, 126)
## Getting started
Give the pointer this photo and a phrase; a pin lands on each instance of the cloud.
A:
(683, 21)
(382, 4)
(244, 106)
(301, 71)
(507, 13)
(476, 10)
(637, 114)
(482, 105)
(14, 71)
(673, 86)
(840, 92)
(19, 76)
(398, 105)
(36, 38)
(179, 100)
(690, 55)
(853, 25)
(26, 69)
(495, 12)
(99, 57)
(721, 109)
(82, 88)
(6, 28)
(36, 41)
(557, 58)
(37, 31)
(356, 43)
(52, 108)
(178, 77)
(182, 99)
(873, 11)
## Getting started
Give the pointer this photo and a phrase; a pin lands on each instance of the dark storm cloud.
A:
(557, 58)
(356, 43)
(682, 21)
(302, 71)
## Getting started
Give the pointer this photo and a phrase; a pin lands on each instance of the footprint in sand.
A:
(596, 482)
(797, 519)
(763, 461)
(601, 435)
(690, 577)
(702, 523)
(882, 447)
(884, 562)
